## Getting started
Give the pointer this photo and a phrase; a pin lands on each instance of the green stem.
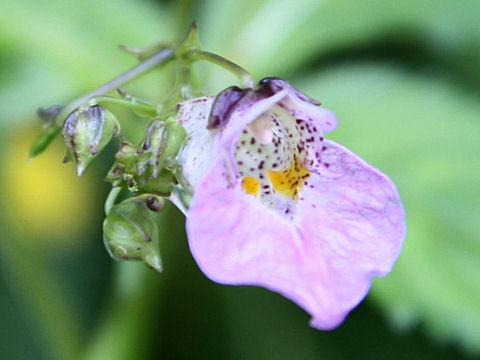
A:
(243, 75)
(139, 106)
(112, 196)
(160, 58)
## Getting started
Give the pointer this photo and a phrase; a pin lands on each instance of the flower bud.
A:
(131, 170)
(87, 132)
(163, 141)
(131, 233)
(149, 169)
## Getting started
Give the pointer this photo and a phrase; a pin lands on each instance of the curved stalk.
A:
(244, 76)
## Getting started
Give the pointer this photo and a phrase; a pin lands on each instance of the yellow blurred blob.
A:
(43, 200)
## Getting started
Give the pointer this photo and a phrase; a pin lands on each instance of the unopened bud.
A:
(132, 170)
(131, 233)
(87, 132)
(150, 169)
(163, 141)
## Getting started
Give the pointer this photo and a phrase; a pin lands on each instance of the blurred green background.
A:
(404, 80)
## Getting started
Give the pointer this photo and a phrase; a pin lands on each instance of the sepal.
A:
(41, 143)
(50, 129)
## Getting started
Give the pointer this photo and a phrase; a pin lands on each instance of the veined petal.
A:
(236, 240)
(347, 228)
(197, 155)
(279, 206)
(351, 216)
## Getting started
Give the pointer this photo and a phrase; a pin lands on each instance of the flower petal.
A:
(244, 113)
(352, 217)
(197, 155)
(301, 106)
(348, 227)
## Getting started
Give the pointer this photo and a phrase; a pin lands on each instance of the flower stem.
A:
(244, 76)
(159, 58)
(112, 196)
(138, 106)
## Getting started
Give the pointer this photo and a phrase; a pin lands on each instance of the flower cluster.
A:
(276, 204)
(269, 200)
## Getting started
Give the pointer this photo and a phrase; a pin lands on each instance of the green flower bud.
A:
(149, 169)
(131, 233)
(87, 132)
(163, 141)
(131, 170)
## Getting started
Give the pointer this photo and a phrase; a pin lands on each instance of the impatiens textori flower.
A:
(277, 205)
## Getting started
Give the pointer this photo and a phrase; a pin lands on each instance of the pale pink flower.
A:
(277, 205)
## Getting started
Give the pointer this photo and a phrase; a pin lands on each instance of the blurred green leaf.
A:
(269, 37)
(70, 47)
(424, 134)
(44, 140)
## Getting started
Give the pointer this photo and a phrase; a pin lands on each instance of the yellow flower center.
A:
(271, 156)
(251, 185)
(289, 181)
